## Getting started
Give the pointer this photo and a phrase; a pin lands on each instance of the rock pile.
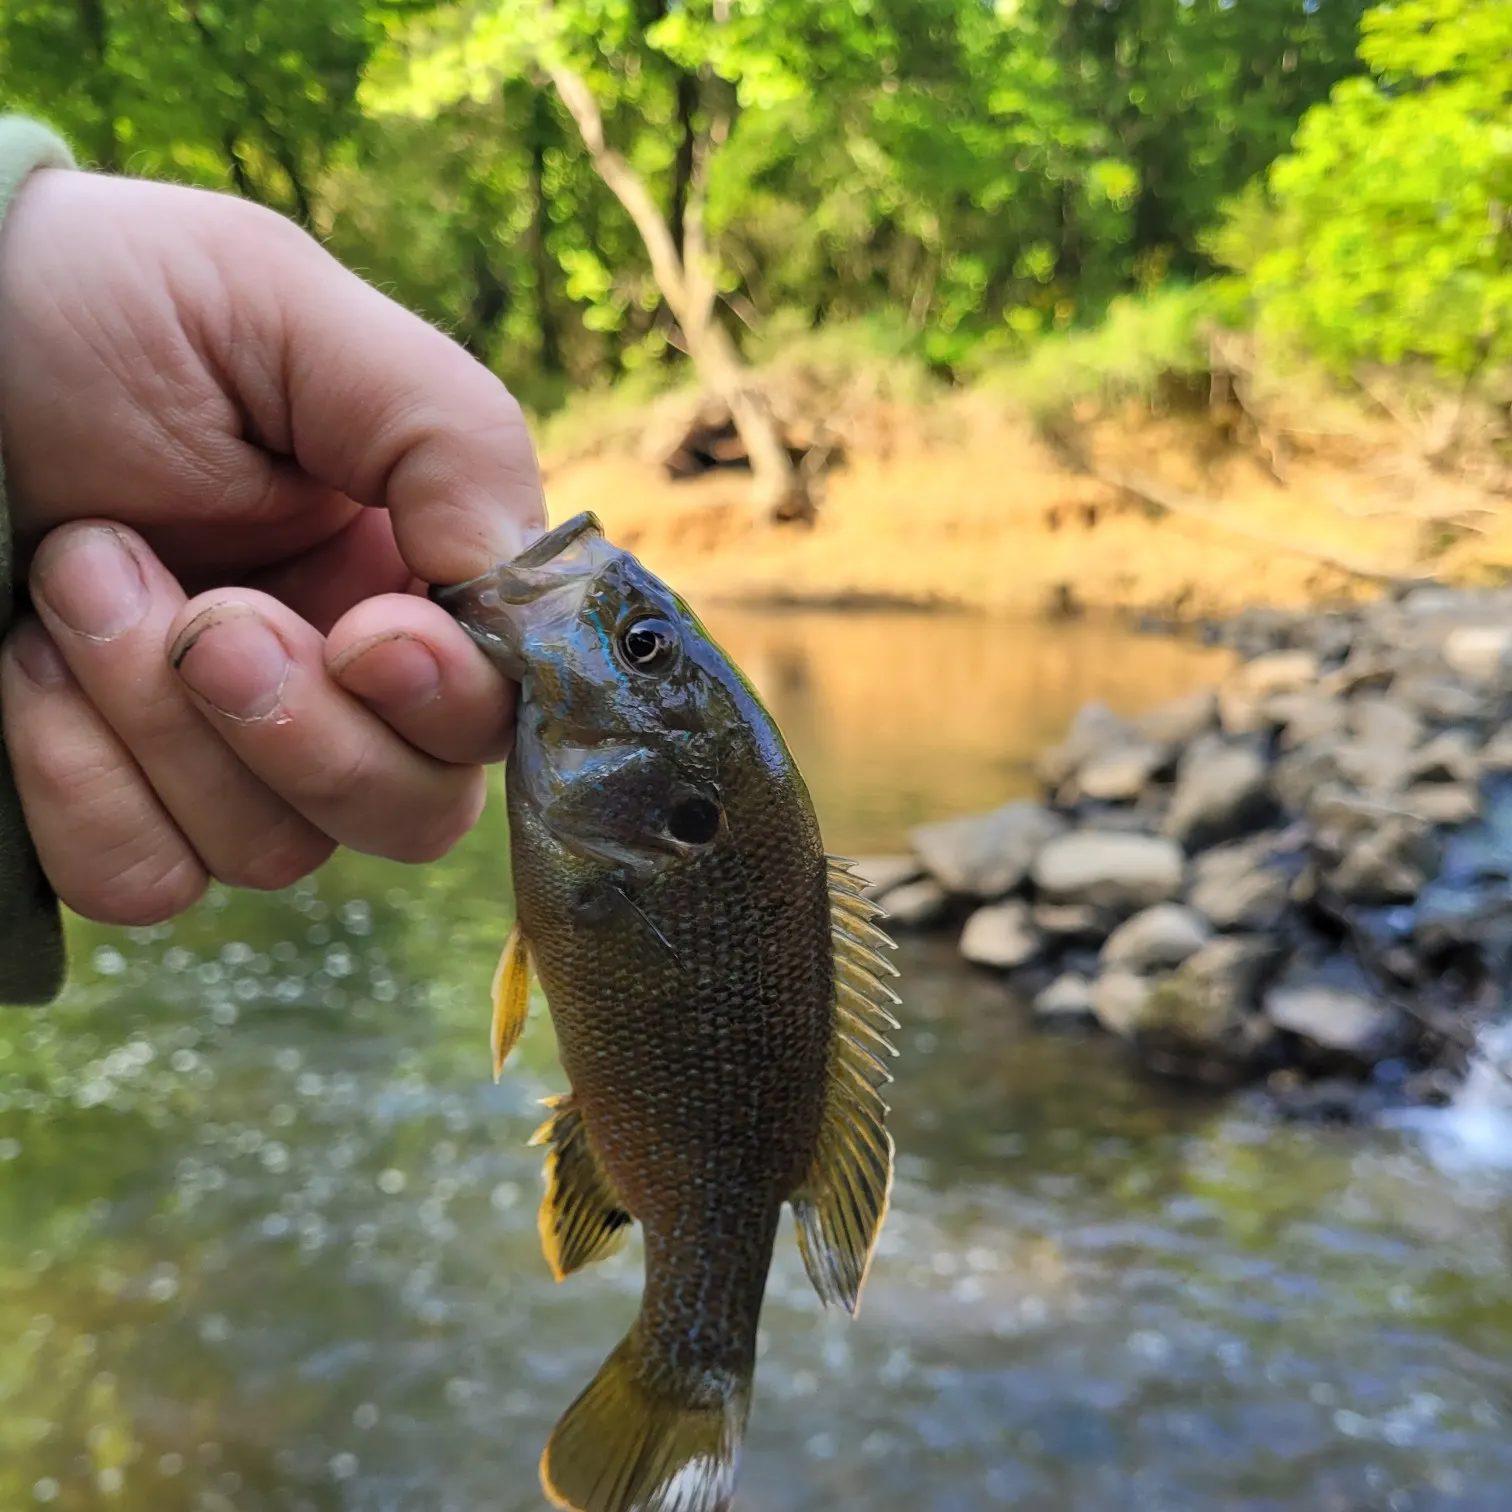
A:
(1302, 876)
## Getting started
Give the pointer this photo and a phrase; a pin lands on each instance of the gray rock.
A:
(1073, 921)
(1179, 722)
(1243, 699)
(1439, 700)
(1332, 1015)
(1390, 863)
(915, 905)
(1118, 1000)
(1373, 767)
(882, 873)
(1299, 774)
(1158, 939)
(1117, 775)
(986, 855)
(1496, 754)
(1122, 873)
(1306, 714)
(1222, 792)
(1205, 1008)
(1385, 722)
(1001, 935)
(1068, 997)
(1094, 729)
(1444, 804)
(1241, 886)
(1481, 653)
(1450, 757)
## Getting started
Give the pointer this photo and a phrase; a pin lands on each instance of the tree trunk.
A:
(683, 275)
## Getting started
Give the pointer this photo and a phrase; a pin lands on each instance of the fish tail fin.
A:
(641, 1441)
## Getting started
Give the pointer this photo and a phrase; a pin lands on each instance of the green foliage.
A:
(1143, 343)
(1385, 235)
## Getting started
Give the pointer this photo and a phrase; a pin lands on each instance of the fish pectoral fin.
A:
(843, 1198)
(624, 1447)
(582, 1217)
(511, 998)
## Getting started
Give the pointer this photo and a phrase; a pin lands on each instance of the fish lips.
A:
(504, 606)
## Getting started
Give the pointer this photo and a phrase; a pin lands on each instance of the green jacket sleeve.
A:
(31, 933)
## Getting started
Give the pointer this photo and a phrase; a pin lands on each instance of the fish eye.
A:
(694, 821)
(648, 644)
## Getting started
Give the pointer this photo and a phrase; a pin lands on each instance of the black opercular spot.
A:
(695, 821)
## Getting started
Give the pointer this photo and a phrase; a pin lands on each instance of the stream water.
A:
(267, 1233)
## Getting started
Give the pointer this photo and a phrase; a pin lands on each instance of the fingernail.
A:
(233, 660)
(394, 671)
(38, 656)
(90, 579)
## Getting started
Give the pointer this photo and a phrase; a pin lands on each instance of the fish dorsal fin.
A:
(582, 1217)
(843, 1198)
(511, 998)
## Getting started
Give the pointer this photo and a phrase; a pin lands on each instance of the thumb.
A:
(374, 402)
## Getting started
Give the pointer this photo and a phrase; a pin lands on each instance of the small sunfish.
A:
(718, 995)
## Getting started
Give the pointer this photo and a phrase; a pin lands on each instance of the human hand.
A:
(237, 465)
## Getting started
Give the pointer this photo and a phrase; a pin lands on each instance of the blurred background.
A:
(938, 350)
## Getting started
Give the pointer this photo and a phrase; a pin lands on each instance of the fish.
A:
(718, 986)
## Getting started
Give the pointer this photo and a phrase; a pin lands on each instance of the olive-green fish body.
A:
(713, 980)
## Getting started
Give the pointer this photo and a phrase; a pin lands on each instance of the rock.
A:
(1243, 698)
(1206, 1006)
(1326, 1006)
(1241, 886)
(882, 873)
(1378, 721)
(1117, 775)
(1156, 940)
(1389, 863)
(1067, 998)
(1299, 774)
(1001, 935)
(1222, 792)
(1450, 757)
(986, 855)
(915, 905)
(1496, 754)
(1447, 805)
(1179, 722)
(1439, 700)
(1306, 714)
(1481, 653)
(1094, 729)
(1372, 767)
(1073, 921)
(1122, 873)
(1118, 999)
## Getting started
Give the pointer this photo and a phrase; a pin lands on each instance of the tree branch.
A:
(627, 187)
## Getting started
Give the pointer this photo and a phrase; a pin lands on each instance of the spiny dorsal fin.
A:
(582, 1218)
(511, 998)
(843, 1199)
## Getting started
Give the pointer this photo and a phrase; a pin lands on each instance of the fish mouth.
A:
(504, 605)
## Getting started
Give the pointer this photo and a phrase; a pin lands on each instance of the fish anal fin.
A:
(511, 998)
(625, 1447)
(842, 1201)
(582, 1218)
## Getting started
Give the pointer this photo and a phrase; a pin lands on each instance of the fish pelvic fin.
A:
(638, 1442)
(843, 1199)
(582, 1217)
(511, 998)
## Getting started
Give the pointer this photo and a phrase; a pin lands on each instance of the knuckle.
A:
(142, 889)
(272, 867)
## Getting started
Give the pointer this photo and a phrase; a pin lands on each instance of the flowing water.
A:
(267, 1231)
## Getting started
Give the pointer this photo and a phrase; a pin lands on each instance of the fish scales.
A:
(712, 978)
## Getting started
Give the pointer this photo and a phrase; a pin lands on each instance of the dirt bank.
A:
(968, 506)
